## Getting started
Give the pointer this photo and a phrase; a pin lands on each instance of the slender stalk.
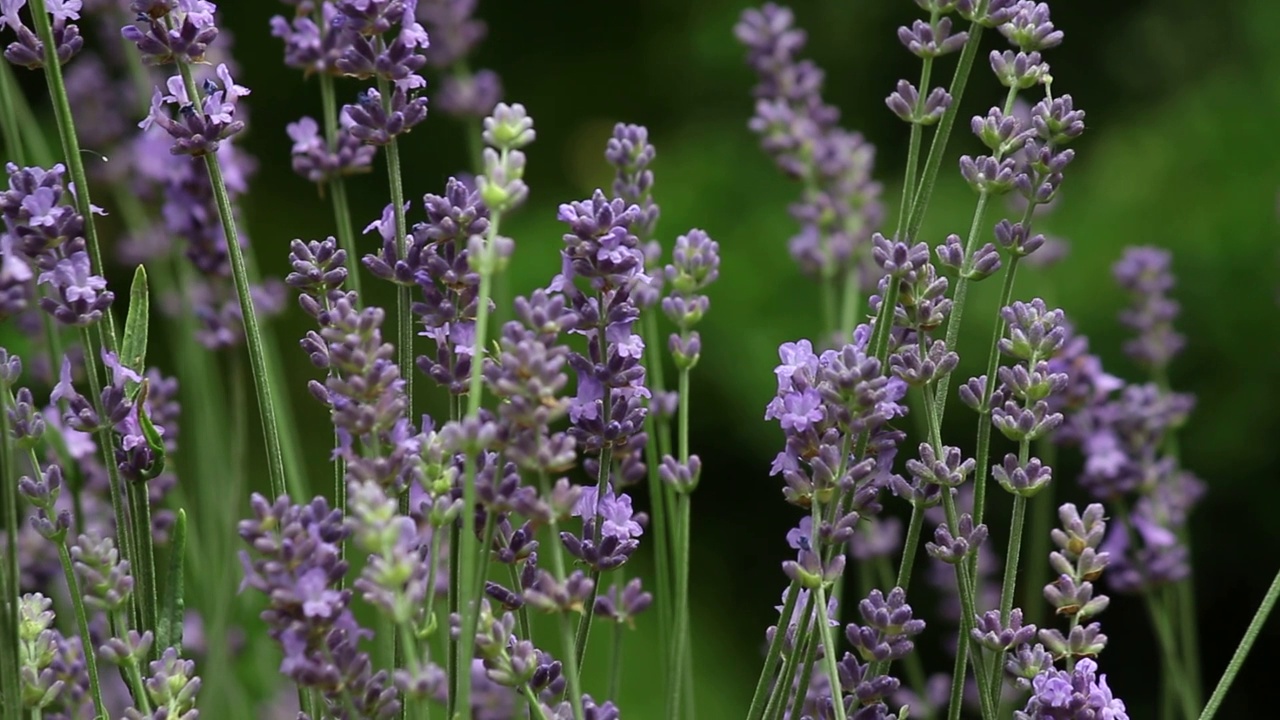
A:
(32, 136)
(82, 622)
(404, 321)
(71, 149)
(337, 185)
(961, 295)
(9, 94)
(659, 495)
(572, 671)
(1012, 556)
(984, 419)
(911, 546)
(9, 663)
(252, 329)
(805, 673)
(681, 664)
(106, 443)
(145, 576)
(1037, 570)
(1174, 673)
(932, 163)
(829, 651)
(1242, 650)
(469, 607)
(803, 643)
(615, 657)
(964, 587)
(760, 697)
(913, 146)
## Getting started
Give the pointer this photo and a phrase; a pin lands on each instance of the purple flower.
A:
(1081, 694)
(28, 50)
(377, 124)
(80, 297)
(198, 131)
(169, 32)
(1145, 273)
(798, 129)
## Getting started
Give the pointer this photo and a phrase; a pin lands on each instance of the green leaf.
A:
(133, 348)
(155, 441)
(169, 623)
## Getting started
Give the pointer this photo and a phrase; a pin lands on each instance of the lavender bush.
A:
(496, 464)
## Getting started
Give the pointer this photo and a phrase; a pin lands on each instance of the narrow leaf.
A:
(169, 625)
(133, 348)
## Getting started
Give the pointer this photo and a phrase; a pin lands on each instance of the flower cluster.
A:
(840, 207)
(28, 49)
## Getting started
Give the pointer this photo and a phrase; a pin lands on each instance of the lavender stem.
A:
(9, 663)
(469, 607)
(82, 618)
(932, 163)
(758, 699)
(1242, 650)
(71, 149)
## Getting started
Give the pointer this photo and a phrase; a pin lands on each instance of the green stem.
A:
(469, 607)
(1173, 672)
(970, 247)
(961, 296)
(9, 92)
(145, 575)
(803, 651)
(984, 418)
(252, 329)
(911, 546)
(32, 135)
(805, 671)
(1042, 516)
(9, 663)
(913, 147)
(337, 185)
(124, 531)
(71, 149)
(1013, 556)
(964, 587)
(82, 621)
(1190, 632)
(682, 662)
(1242, 650)
(658, 495)
(760, 697)
(572, 673)
(932, 163)
(829, 651)
(404, 321)
(137, 687)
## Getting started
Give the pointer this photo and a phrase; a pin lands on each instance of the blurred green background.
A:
(1183, 102)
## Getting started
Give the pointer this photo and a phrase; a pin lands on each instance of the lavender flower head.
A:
(197, 131)
(1144, 272)
(28, 50)
(1081, 693)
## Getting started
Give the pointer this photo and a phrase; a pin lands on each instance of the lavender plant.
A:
(420, 582)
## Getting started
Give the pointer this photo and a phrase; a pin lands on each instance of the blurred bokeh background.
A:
(1181, 152)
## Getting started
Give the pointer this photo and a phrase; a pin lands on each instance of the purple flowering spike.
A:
(1145, 273)
(798, 130)
(80, 296)
(168, 32)
(1083, 692)
(375, 124)
(197, 131)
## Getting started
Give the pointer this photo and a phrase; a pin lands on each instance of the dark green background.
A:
(1182, 99)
